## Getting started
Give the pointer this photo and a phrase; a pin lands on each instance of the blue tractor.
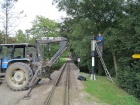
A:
(15, 62)
(23, 65)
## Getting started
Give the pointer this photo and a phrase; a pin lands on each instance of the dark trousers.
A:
(101, 49)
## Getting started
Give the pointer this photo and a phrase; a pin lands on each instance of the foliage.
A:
(109, 93)
(43, 26)
(58, 64)
(87, 18)
(21, 37)
(119, 22)
(128, 75)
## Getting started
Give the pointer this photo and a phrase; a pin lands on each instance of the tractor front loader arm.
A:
(63, 42)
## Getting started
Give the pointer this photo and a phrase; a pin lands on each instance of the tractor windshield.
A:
(14, 51)
(18, 53)
(5, 51)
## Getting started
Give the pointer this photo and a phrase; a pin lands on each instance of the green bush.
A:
(57, 65)
(129, 78)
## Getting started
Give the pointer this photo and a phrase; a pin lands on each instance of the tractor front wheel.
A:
(18, 76)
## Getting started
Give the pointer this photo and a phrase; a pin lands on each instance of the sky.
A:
(36, 7)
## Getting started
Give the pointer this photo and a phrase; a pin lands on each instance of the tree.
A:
(21, 37)
(8, 17)
(43, 27)
(91, 17)
(128, 75)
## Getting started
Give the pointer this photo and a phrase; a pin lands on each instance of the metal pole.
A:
(93, 41)
(78, 64)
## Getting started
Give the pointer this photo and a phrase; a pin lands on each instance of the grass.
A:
(57, 65)
(109, 93)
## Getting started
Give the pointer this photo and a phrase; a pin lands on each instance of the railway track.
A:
(60, 89)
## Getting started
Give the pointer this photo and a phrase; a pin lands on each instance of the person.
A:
(31, 57)
(99, 40)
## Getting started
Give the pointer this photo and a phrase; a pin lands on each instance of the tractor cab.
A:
(11, 53)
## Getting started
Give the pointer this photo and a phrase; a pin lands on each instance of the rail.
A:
(66, 66)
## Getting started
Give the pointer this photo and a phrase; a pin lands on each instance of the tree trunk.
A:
(115, 61)
(6, 27)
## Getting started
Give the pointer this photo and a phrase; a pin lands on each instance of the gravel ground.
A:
(41, 90)
(77, 95)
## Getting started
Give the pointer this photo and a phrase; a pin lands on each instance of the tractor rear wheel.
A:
(18, 76)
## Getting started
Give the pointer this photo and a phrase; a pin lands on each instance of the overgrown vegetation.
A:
(109, 93)
(58, 64)
(119, 22)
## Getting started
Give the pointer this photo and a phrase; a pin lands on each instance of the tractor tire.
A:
(18, 76)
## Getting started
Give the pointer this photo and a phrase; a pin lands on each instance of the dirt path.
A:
(40, 92)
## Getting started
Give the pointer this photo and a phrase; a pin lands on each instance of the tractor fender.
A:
(24, 60)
